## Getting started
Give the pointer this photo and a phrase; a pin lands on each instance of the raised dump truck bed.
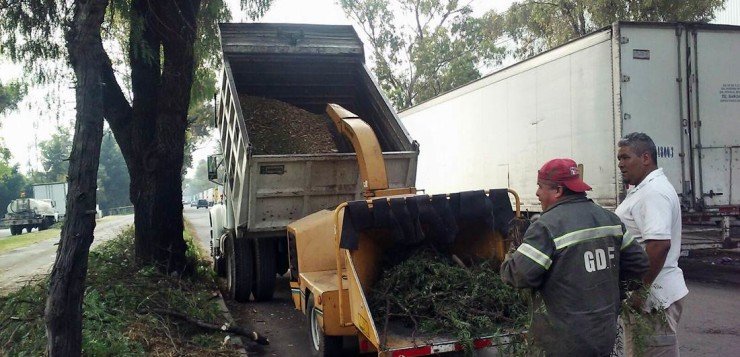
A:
(307, 66)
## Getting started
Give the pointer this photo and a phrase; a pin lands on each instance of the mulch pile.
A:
(276, 128)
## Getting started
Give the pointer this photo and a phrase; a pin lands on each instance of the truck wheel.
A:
(321, 345)
(239, 268)
(265, 251)
(16, 230)
(45, 224)
(29, 228)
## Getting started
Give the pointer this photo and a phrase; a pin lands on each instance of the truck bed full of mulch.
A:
(278, 128)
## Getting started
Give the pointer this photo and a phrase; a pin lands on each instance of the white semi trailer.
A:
(679, 83)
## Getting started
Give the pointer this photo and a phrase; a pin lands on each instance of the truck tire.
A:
(265, 264)
(239, 268)
(29, 228)
(45, 224)
(321, 345)
(16, 230)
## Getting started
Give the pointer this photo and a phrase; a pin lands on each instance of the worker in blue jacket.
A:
(576, 257)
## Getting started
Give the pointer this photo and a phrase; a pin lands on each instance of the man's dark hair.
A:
(641, 143)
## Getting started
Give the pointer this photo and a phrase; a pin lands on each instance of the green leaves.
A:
(422, 48)
(10, 95)
(427, 293)
(537, 26)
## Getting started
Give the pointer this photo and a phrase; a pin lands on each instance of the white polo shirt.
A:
(651, 210)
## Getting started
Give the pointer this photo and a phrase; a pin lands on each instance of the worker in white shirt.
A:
(652, 214)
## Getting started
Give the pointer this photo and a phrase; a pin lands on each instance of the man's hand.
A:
(636, 300)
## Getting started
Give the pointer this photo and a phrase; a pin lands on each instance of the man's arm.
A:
(526, 267)
(657, 251)
(653, 219)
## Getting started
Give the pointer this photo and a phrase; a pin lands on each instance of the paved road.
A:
(20, 265)
(5, 233)
(710, 325)
(277, 319)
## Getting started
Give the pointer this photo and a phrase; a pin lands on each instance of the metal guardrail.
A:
(119, 210)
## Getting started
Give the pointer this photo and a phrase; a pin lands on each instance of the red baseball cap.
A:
(565, 172)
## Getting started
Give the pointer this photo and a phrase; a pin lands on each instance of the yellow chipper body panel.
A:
(330, 284)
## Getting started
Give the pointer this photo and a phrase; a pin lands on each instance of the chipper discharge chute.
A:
(339, 257)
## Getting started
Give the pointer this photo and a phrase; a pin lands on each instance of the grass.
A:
(26, 239)
(14, 242)
(117, 298)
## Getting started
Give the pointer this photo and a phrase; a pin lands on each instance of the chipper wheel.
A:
(239, 268)
(265, 266)
(321, 345)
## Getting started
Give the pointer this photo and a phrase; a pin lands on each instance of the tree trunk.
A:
(63, 315)
(151, 131)
(159, 123)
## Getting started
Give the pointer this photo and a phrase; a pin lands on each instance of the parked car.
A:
(202, 203)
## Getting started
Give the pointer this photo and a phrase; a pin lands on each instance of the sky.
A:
(36, 119)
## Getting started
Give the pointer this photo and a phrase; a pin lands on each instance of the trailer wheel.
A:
(321, 345)
(45, 224)
(239, 268)
(265, 264)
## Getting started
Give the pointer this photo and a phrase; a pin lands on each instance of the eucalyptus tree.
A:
(422, 48)
(537, 25)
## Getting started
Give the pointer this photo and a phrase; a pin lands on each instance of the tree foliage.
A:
(55, 156)
(113, 179)
(199, 182)
(10, 95)
(442, 47)
(537, 25)
(12, 181)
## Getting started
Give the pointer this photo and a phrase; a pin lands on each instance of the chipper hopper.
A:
(338, 255)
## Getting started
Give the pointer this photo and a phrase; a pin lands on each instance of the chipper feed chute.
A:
(470, 227)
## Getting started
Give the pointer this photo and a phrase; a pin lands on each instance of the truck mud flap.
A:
(265, 267)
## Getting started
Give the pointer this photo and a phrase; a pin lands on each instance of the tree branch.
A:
(116, 109)
(252, 335)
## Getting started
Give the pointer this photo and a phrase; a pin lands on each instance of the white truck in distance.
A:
(29, 213)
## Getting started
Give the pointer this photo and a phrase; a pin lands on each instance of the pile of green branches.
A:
(430, 294)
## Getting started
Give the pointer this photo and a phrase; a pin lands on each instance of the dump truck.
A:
(30, 213)
(677, 82)
(306, 66)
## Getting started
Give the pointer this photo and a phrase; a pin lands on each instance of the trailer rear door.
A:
(715, 112)
(652, 95)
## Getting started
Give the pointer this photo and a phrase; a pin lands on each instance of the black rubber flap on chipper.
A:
(415, 219)
(473, 206)
(357, 218)
(502, 212)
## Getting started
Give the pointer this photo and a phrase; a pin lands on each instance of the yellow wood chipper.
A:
(335, 254)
